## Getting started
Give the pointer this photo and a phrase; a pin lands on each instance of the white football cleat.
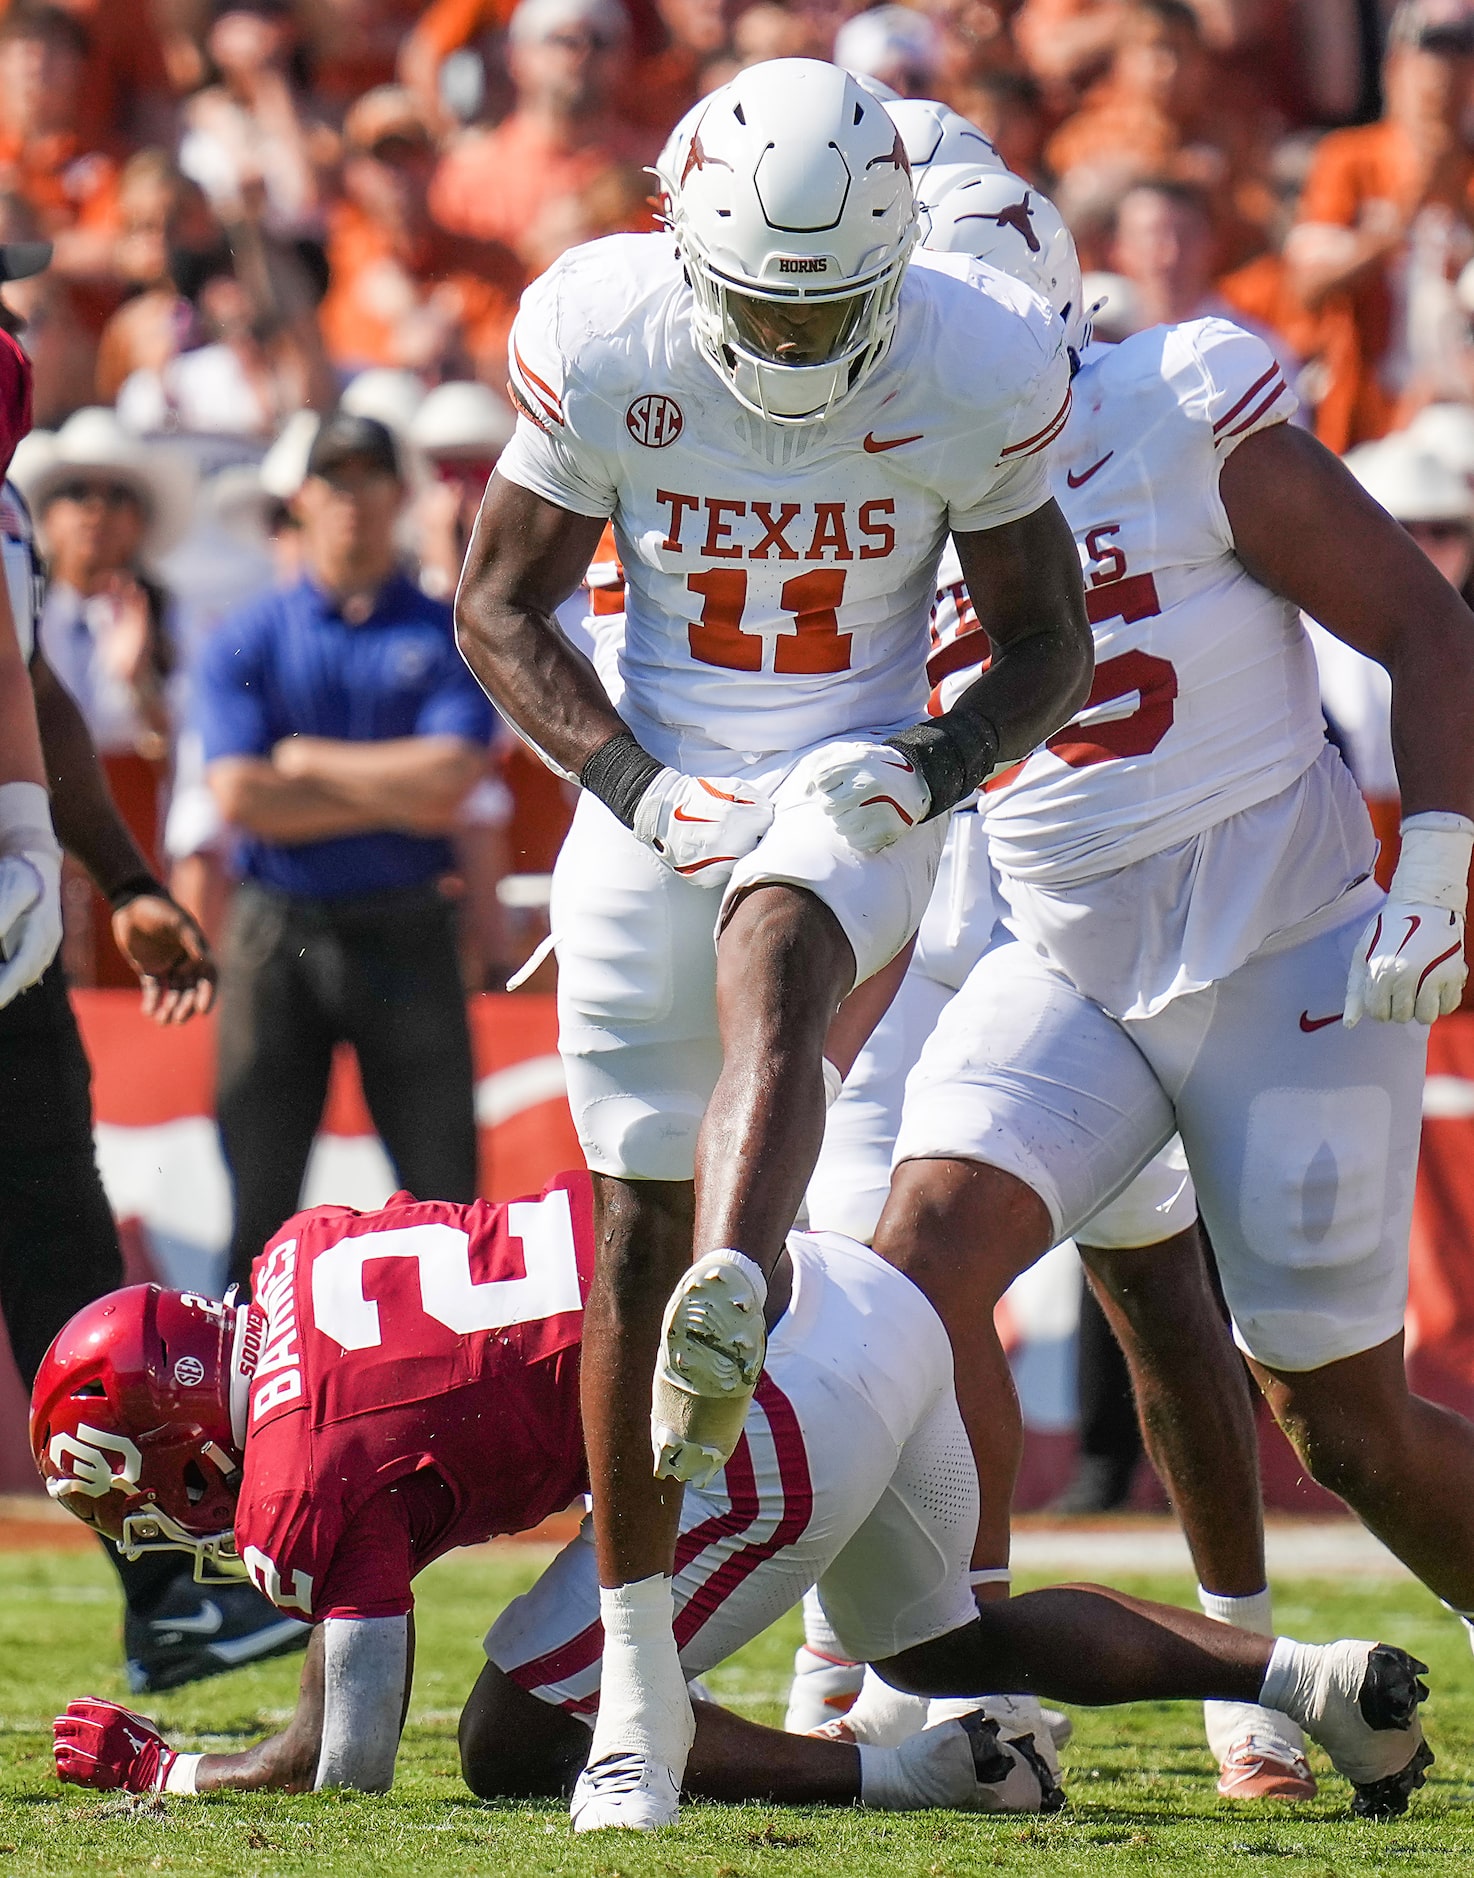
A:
(822, 1690)
(625, 1791)
(712, 1346)
(1260, 1753)
(1360, 1702)
(973, 1764)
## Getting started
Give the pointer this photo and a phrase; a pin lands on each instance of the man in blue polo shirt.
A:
(342, 732)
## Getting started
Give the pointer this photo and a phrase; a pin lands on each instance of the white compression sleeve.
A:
(364, 1663)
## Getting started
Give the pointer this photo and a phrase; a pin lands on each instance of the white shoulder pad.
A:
(1240, 386)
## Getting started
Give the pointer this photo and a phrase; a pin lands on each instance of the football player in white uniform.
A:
(1143, 1251)
(1200, 943)
(783, 421)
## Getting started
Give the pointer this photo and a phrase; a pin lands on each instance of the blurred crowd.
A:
(263, 210)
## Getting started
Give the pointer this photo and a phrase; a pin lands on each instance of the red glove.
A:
(98, 1744)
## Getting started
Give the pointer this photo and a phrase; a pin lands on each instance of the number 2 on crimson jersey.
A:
(815, 646)
(447, 1292)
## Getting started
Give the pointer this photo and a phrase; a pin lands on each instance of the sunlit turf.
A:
(1140, 1783)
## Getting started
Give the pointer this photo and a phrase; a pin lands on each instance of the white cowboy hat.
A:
(1411, 483)
(462, 419)
(93, 439)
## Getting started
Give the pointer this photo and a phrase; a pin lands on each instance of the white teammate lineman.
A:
(783, 422)
(1188, 868)
(1144, 1250)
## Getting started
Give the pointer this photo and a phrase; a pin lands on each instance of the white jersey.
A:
(1205, 699)
(780, 577)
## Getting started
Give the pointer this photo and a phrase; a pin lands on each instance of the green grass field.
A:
(1140, 1783)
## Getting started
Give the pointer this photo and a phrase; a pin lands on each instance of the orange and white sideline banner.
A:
(159, 1153)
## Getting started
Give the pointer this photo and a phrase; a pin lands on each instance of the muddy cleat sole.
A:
(625, 1792)
(712, 1345)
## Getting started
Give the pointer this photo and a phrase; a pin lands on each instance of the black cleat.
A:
(193, 1631)
(1386, 1799)
(1388, 1699)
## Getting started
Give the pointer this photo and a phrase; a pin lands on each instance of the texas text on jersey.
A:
(361, 1320)
(779, 579)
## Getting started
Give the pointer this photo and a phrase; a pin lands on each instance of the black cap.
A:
(20, 259)
(344, 438)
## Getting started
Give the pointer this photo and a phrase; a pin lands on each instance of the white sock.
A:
(819, 1633)
(1289, 1682)
(643, 1703)
(1248, 1613)
(893, 1784)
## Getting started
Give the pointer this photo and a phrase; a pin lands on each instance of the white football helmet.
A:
(1001, 219)
(935, 134)
(791, 200)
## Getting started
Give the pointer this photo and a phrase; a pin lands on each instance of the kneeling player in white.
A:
(783, 421)
(1201, 945)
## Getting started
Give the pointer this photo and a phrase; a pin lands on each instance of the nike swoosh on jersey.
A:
(1078, 482)
(874, 445)
(1309, 1024)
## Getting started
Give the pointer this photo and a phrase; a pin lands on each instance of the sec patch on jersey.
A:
(654, 420)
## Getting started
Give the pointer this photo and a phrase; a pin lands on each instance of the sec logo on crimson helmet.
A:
(654, 420)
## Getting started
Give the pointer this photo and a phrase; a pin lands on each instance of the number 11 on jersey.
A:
(814, 646)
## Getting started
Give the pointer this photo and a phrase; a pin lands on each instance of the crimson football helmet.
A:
(131, 1423)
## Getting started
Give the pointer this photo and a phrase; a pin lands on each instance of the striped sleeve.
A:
(551, 453)
(1246, 388)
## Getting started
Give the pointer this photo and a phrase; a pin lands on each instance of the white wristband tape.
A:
(1433, 868)
(994, 1575)
(25, 817)
(183, 1773)
(833, 1082)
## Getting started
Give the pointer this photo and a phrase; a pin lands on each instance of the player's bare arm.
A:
(526, 557)
(159, 939)
(344, 1731)
(1304, 527)
(1031, 604)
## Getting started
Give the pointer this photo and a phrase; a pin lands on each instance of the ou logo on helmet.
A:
(93, 1472)
(654, 420)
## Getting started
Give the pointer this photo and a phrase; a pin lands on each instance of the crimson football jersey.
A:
(416, 1389)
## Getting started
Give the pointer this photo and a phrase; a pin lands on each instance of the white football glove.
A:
(871, 792)
(701, 826)
(1409, 963)
(30, 887)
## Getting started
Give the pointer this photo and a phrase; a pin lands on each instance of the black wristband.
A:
(134, 888)
(952, 754)
(618, 773)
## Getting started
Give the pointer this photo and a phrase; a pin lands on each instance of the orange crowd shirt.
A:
(496, 184)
